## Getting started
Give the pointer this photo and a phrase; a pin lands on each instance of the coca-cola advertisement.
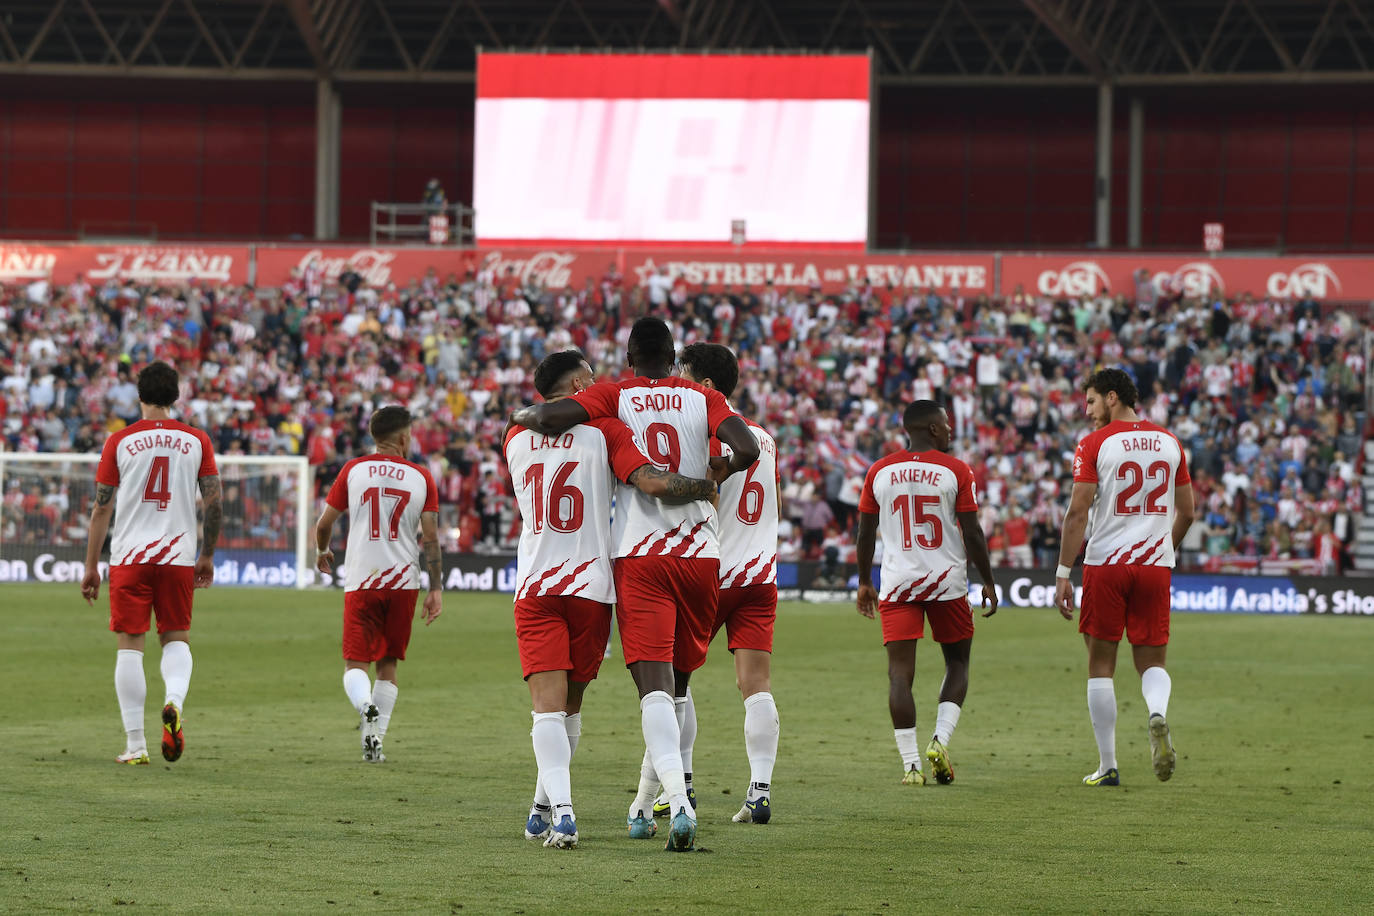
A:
(1077, 275)
(555, 267)
(172, 264)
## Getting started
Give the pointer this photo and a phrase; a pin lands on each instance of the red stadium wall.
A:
(955, 168)
(188, 169)
(1015, 168)
(388, 153)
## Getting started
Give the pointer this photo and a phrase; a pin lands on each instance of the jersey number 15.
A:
(912, 509)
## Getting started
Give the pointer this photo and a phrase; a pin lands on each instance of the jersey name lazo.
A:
(1136, 467)
(672, 421)
(384, 497)
(156, 464)
(917, 497)
(563, 486)
(749, 517)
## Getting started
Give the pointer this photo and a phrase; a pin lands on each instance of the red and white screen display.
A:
(671, 148)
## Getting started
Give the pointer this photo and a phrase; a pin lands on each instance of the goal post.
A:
(45, 507)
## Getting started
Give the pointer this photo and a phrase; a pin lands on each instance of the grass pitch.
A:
(271, 809)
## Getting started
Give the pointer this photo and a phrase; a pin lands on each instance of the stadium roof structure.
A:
(919, 42)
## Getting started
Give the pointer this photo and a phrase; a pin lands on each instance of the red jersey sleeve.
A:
(338, 493)
(431, 492)
(208, 468)
(107, 472)
(624, 456)
(966, 498)
(868, 502)
(1182, 477)
(1085, 460)
(717, 409)
(600, 400)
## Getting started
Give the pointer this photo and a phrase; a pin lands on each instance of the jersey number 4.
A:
(562, 505)
(912, 509)
(372, 498)
(158, 489)
(1137, 477)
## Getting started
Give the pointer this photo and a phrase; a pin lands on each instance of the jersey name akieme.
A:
(749, 517)
(917, 497)
(672, 420)
(156, 464)
(1136, 466)
(563, 485)
(384, 497)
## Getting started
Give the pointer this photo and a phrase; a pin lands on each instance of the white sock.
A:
(132, 691)
(176, 671)
(384, 698)
(761, 736)
(946, 717)
(1156, 685)
(648, 788)
(552, 755)
(572, 725)
(1102, 710)
(359, 688)
(661, 737)
(907, 747)
(686, 712)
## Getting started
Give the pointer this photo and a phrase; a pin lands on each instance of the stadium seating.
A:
(1267, 396)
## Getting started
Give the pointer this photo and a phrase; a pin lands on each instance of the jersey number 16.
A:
(562, 505)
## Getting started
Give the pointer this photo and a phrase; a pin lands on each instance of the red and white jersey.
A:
(917, 497)
(384, 497)
(156, 464)
(1136, 467)
(563, 485)
(673, 421)
(749, 517)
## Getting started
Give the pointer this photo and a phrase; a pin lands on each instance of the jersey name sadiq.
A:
(135, 444)
(655, 401)
(915, 475)
(1142, 445)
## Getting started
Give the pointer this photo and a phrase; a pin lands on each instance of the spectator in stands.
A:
(434, 197)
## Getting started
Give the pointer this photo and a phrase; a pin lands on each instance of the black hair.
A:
(554, 368)
(920, 414)
(651, 344)
(1112, 379)
(387, 422)
(159, 385)
(714, 361)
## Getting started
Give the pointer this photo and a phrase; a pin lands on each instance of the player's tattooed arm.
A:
(429, 548)
(214, 513)
(670, 487)
(104, 494)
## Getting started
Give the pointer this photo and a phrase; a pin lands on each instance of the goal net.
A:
(45, 508)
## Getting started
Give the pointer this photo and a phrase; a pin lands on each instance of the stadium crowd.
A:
(1267, 396)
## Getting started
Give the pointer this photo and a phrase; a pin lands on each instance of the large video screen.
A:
(671, 148)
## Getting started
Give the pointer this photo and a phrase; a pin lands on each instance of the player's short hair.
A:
(554, 369)
(651, 343)
(387, 422)
(159, 385)
(714, 361)
(919, 414)
(1112, 379)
